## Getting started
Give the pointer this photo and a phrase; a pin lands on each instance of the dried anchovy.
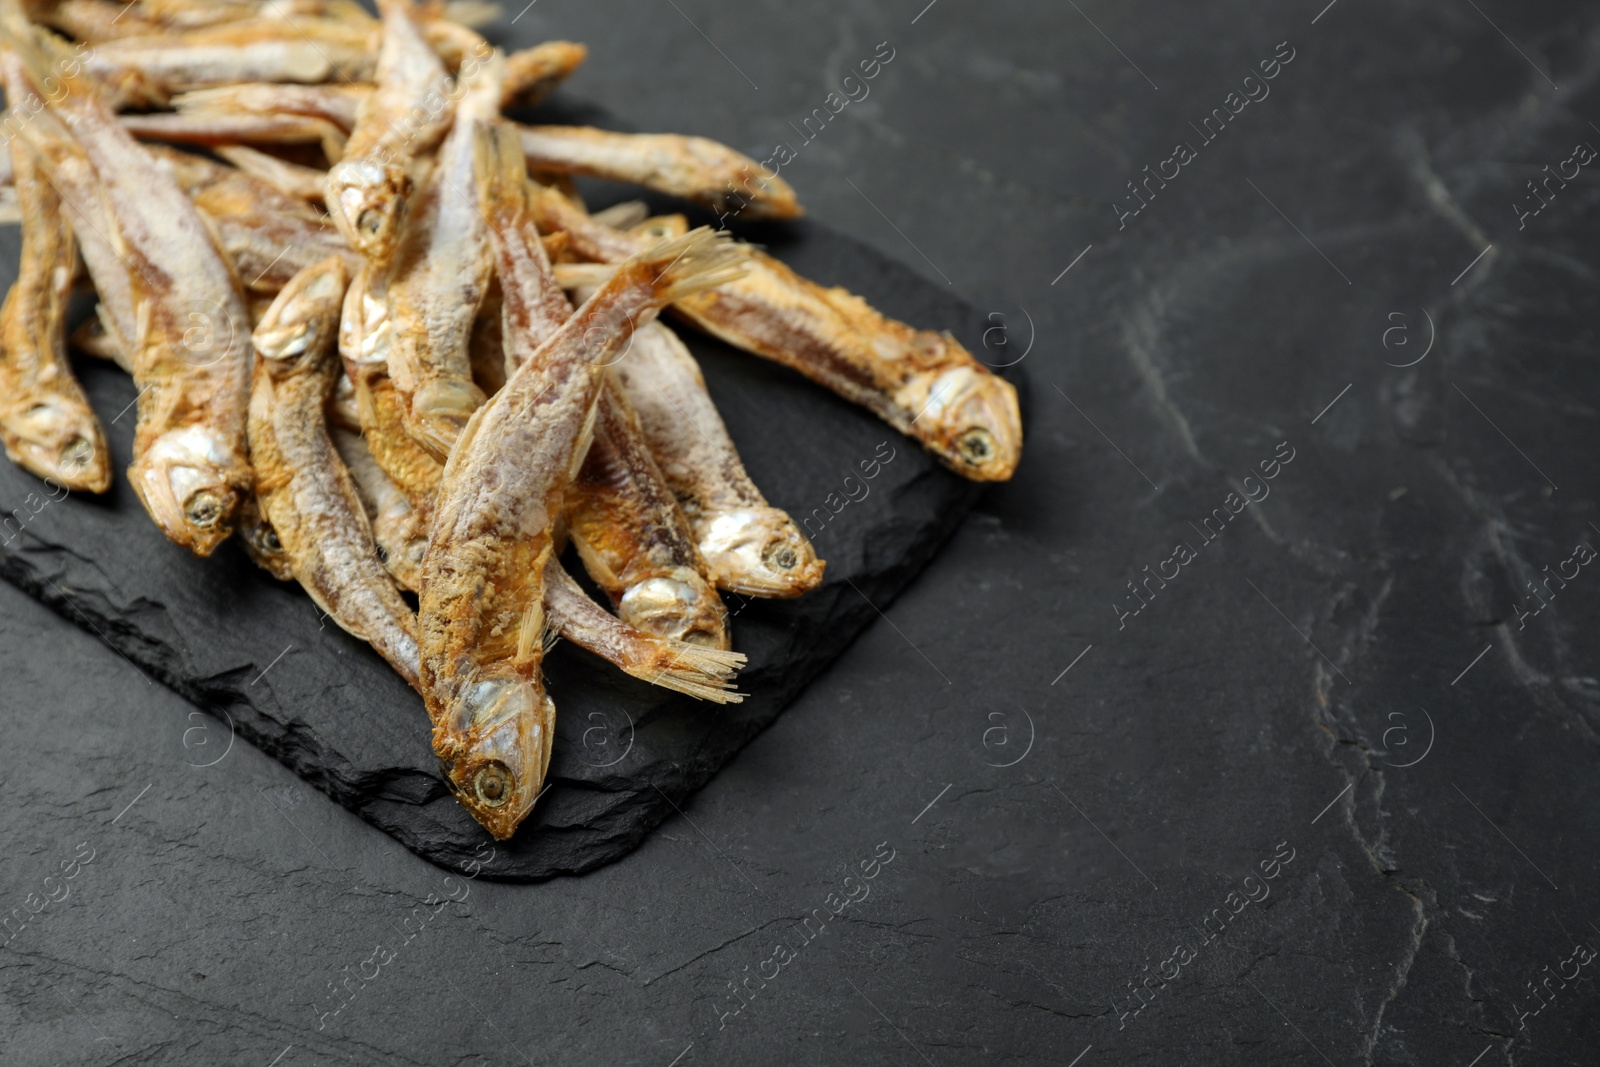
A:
(190, 465)
(45, 419)
(482, 617)
(305, 492)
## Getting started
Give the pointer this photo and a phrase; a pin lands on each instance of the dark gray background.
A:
(1364, 616)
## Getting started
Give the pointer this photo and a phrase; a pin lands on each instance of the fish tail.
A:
(694, 670)
(699, 260)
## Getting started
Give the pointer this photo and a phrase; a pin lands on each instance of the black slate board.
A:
(256, 653)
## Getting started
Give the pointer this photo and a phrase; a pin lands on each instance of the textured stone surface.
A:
(260, 657)
(1185, 747)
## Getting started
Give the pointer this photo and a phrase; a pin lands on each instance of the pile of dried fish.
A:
(377, 334)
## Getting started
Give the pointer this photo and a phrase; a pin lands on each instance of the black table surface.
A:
(1257, 719)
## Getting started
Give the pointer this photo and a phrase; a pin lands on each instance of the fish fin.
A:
(699, 260)
(694, 670)
(531, 634)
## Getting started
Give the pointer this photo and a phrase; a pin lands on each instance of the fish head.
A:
(365, 198)
(57, 439)
(760, 552)
(971, 421)
(191, 483)
(493, 744)
(302, 323)
(440, 410)
(683, 607)
(261, 541)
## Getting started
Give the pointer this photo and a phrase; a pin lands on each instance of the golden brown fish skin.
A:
(211, 129)
(521, 260)
(191, 345)
(218, 189)
(304, 489)
(482, 621)
(269, 236)
(74, 180)
(633, 537)
(46, 422)
(405, 117)
(304, 184)
(261, 541)
(924, 384)
(93, 339)
(192, 14)
(441, 271)
(749, 546)
(396, 526)
(108, 20)
(92, 20)
(144, 71)
(533, 73)
(695, 168)
(693, 669)
(269, 249)
(336, 104)
(365, 336)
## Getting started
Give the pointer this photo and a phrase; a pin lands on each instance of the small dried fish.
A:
(305, 184)
(692, 669)
(633, 537)
(212, 129)
(396, 525)
(46, 422)
(405, 117)
(303, 487)
(482, 620)
(924, 384)
(365, 337)
(150, 70)
(190, 341)
(533, 73)
(269, 236)
(441, 271)
(336, 104)
(521, 260)
(530, 75)
(750, 546)
(108, 20)
(261, 541)
(269, 249)
(92, 20)
(695, 168)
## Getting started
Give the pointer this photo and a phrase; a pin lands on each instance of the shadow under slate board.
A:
(257, 655)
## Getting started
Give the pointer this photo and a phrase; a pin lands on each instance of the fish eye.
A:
(269, 540)
(370, 222)
(204, 509)
(780, 555)
(492, 784)
(77, 453)
(976, 445)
